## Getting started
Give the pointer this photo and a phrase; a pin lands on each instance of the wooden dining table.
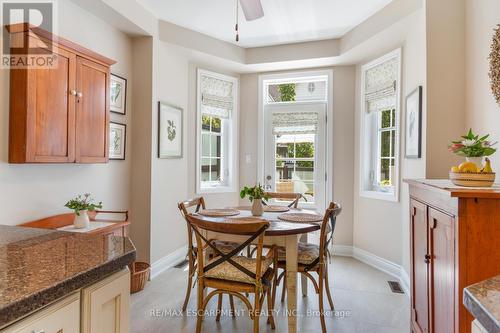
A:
(279, 233)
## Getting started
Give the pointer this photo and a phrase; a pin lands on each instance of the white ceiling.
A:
(285, 21)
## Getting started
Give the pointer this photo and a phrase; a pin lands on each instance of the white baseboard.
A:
(377, 262)
(168, 261)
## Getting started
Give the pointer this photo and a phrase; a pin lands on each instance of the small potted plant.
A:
(472, 172)
(255, 194)
(81, 205)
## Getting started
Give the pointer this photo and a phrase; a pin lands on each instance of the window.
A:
(379, 159)
(217, 133)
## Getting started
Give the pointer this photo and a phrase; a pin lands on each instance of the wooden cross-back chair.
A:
(314, 258)
(233, 274)
(186, 208)
(293, 197)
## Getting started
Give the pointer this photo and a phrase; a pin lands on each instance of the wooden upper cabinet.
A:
(60, 114)
(92, 116)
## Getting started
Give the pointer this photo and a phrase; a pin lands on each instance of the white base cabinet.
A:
(103, 307)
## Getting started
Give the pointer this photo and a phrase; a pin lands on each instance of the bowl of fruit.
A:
(469, 174)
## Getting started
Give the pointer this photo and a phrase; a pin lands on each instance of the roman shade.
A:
(217, 98)
(295, 123)
(380, 86)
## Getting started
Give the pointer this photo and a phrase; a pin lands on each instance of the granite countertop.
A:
(40, 266)
(483, 302)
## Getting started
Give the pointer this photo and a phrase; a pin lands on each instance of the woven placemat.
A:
(276, 209)
(219, 212)
(300, 217)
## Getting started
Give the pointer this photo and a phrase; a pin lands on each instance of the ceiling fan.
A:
(251, 8)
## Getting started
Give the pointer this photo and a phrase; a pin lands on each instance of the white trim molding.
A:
(384, 265)
(168, 261)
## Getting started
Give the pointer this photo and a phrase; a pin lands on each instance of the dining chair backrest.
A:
(254, 229)
(326, 235)
(187, 207)
(294, 197)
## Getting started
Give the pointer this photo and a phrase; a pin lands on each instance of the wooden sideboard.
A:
(115, 227)
(58, 114)
(454, 237)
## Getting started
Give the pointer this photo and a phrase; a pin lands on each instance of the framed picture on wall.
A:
(118, 94)
(117, 141)
(169, 131)
(414, 124)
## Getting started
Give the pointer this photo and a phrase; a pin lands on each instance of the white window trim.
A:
(365, 149)
(287, 77)
(231, 150)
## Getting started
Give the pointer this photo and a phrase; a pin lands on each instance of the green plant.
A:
(83, 202)
(256, 192)
(473, 146)
(287, 92)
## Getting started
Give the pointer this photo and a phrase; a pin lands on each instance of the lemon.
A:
(468, 167)
(455, 169)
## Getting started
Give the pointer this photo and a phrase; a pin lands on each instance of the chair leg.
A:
(256, 312)
(283, 292)
(219, 308)
(231, 302)
(327, 287)
(200, 308)
(188, 291)
(321, 308)
(270, 309)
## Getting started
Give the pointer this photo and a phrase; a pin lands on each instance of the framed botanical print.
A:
(118, 94)
(169, 131)
(117, 141)
(414, 124)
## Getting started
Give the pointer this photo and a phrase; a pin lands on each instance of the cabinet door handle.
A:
(79, 94)
(427, 258)
(72, 92)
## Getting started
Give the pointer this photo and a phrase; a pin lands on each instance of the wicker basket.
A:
(139, 274)
(472, 179)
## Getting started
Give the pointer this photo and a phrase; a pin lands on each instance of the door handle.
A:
(72, 92)
(427, 258)
(79, 94)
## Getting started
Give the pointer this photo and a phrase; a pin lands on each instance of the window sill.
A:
(380, 195)
(216, 189)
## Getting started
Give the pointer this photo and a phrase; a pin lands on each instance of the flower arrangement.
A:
(472, 145)
(82, 203)
(256, 192)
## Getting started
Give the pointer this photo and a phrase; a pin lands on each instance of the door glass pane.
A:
(294, 171)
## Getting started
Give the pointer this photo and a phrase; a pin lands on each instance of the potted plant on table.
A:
(81, 205)
(255, 194)
(473, 172)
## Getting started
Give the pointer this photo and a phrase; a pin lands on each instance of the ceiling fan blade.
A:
(252, 9)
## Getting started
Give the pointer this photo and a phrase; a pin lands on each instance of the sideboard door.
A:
(442, 272)
(420, 267)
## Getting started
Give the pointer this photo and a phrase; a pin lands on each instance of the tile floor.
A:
(360, 291)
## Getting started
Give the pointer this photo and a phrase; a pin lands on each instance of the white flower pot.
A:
(82, 221)
(476, 160)
(257, 207)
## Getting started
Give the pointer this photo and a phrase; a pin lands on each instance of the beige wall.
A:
(381, 227)
(343, 141)
(34, 191)
(482, 112)
(445, 27)
(173, 180)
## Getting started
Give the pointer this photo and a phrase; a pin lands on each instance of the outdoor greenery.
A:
(215, 122)
(287, 92)
(83, 202)
(256, 192)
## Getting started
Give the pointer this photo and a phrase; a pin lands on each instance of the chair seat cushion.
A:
(223, 246)
(226, 271)
(307, 253)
